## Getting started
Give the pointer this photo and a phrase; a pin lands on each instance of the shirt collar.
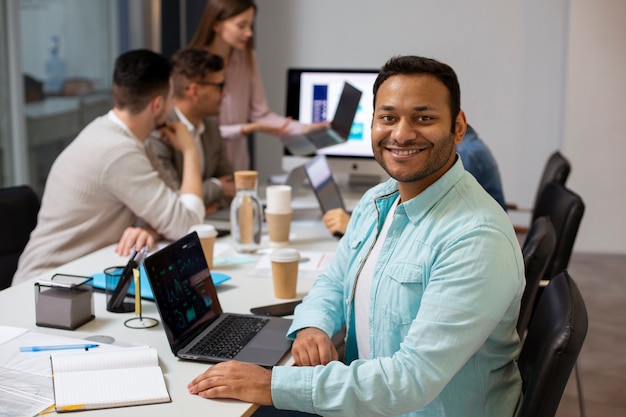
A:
(418, 206)
(194, 131)
(119, 122)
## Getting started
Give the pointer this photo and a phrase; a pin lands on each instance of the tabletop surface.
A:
(245, 289)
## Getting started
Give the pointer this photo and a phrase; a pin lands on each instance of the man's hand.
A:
(177, 135)
(313, 347)
(336, 220)
(228, 185)
(137, 237)
(232, 379)
(212, 208)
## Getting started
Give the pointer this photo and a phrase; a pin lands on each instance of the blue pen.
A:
(57, 347)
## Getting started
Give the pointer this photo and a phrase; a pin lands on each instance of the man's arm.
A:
(180, 138)
(162, 156)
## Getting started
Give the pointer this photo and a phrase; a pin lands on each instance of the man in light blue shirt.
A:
(476, 158)
(427, 280)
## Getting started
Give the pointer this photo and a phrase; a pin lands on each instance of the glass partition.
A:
(68, 48)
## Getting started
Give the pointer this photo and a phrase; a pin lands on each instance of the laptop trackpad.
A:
(263, 349)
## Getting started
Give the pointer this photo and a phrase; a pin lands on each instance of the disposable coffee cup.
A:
(278, 199)
(278, 228)
(285, 272)
(206, 234)
(278, 214)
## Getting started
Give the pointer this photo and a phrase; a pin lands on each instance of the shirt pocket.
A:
(400, 293)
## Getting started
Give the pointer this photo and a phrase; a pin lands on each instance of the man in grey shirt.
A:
(198, 79)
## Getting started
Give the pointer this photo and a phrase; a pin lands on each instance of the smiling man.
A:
(427, 279)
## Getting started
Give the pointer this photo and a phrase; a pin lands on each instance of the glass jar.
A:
(246, 213)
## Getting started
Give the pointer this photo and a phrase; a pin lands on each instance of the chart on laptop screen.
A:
(189, 299)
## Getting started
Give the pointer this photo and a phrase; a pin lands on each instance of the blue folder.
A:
(99, 282)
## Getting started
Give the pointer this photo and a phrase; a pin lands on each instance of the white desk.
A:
(17, 308)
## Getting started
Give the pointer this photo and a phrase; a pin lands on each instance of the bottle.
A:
(246, 212)
(55, 69)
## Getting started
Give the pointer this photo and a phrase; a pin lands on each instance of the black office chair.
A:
(556, 168)
(552, 345)
(18, 216)
(565, 209)
(537, 250)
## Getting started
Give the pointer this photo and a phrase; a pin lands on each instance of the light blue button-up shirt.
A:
(445, 299)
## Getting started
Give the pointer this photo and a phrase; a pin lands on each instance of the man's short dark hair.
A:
(409, 64)
(193, 64)
(138, 77)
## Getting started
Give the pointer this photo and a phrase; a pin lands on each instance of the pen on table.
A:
(85, 346)
(137, 279)
(73, 407)
(48, 410)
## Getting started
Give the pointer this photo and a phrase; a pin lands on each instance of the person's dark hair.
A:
(217, 11)
(408, 65)
(193, 64)
(138, 77)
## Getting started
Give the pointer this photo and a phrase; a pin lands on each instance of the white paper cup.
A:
(278, 199)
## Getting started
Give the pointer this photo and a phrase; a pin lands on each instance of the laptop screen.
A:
(321, 180)
(346, 109)
(183, 289)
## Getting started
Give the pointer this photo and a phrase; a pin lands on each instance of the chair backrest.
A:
(19, 207)
(554, 340)
(557, 168)
(537, 251)
(565, 210)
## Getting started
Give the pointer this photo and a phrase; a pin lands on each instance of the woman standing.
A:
(226, 30)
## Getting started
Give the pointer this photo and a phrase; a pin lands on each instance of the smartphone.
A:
(278, 310)
(222, 232)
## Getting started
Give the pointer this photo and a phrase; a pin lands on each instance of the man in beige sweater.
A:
(103, 181)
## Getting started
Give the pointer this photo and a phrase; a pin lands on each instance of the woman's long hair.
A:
(217, 11)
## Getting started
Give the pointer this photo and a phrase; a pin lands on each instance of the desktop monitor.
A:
(312, 96)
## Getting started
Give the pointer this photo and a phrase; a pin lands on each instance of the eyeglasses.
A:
(220, 86)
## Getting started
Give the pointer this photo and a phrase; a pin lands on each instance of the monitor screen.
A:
(312, 96)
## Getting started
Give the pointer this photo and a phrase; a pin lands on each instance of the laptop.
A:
(338, 131)
(323, 184)
(196, 327)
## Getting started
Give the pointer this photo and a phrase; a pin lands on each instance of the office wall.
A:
(513, 60)
(594, 117)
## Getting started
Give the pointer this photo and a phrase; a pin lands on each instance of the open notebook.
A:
(107, 379)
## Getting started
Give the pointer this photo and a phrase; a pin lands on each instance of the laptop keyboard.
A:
(229, 336)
